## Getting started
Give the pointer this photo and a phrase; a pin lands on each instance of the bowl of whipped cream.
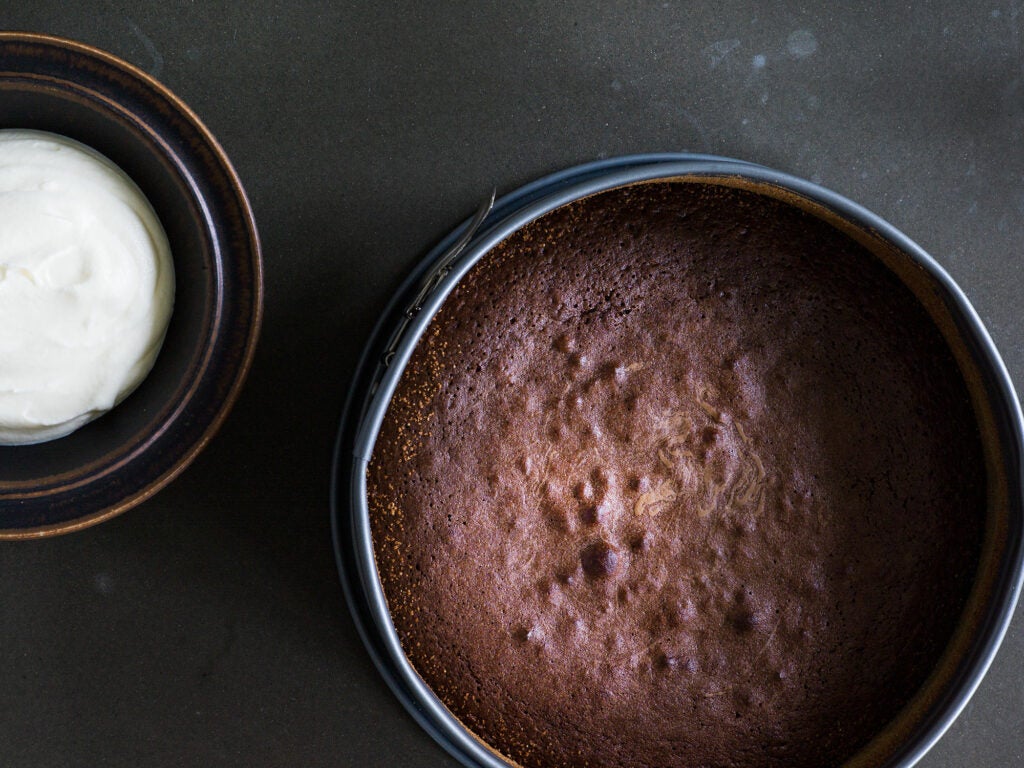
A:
(130, 285)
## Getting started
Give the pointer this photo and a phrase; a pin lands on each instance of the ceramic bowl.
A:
(127, 455)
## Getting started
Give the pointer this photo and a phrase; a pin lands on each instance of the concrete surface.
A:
(207, 627)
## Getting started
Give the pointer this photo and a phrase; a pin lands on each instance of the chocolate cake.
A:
(680, 475)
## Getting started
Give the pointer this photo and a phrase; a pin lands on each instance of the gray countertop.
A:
(207, 627)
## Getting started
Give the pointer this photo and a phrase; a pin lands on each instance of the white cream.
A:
(86, 286)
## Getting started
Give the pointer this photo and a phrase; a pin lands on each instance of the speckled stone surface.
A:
(207, 627)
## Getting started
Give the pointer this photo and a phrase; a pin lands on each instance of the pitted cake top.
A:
(678, 475)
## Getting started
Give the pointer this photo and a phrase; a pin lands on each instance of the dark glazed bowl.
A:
(127, 455)
(997, 585)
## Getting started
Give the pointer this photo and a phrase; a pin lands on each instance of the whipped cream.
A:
(86, 286)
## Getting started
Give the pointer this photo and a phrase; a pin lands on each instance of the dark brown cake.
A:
(679, 475)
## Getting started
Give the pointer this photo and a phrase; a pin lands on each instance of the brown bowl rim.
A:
(254, 321)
